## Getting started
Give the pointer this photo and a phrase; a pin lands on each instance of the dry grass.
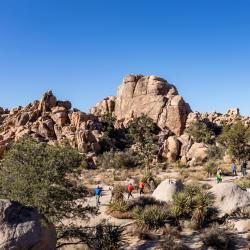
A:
(198, 176)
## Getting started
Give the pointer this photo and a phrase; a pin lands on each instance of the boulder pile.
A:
(50, 120)
(149, 95)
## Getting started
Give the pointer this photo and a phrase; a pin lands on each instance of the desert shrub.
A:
(44, 177)
(211, 168)
(142, 132)
(218, 238)
(106, 237)
(236, 139)
(150, 180)
(119, 208)
(151, 217)
(200, 132)
(118, 160)
(118, 192)
(215, 152)
(192, 203)
(118, 205)
(113, 138)
(84, 164)
(244, 183)
(180, 165)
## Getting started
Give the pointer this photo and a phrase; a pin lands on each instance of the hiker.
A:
(141, 187)
(234, 169)
(130, 190)
(219, 176)
(98, 193)
(111, 188)
(243, 168)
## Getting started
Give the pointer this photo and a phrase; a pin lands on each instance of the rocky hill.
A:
(150, 95)
(51, 120)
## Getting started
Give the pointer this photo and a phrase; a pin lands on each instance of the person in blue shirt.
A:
(234, 169)
(98, 193)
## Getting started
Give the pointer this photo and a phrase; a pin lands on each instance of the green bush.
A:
(192, 203)
(244, 183)
(118, 192)
(235, 138)
(43, 176)
(151, 217)
(215, 153)
(118, 160)
(142, 131)
(200, 132)
(211, 168)
(118, 205)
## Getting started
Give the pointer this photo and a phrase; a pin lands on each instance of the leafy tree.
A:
(113, 138)
(215, 152)
(236, 139)
(108, 125)
(142, 131)
(42, 176)
(201, 132)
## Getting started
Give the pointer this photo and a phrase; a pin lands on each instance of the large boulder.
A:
(22, 228)
(229, 197)
(171, 149)
(166, 190)
(197, 151)
(149, 95)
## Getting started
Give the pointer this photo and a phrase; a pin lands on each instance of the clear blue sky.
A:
(81, 49)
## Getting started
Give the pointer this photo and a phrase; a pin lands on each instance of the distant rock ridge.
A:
(50, 120)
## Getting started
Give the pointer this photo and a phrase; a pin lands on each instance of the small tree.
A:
(113, 138)
(142, 131)
(43, 176)
(236, 139)
(201, 132)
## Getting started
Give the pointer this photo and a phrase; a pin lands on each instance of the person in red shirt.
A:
(130, 190)
(141, 187)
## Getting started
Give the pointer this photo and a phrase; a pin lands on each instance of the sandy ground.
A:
(192, 239)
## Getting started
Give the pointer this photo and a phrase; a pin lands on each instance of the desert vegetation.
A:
(57, 173)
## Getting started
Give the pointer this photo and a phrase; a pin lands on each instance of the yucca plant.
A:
(151, 217)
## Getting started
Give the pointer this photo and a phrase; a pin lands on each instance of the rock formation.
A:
(50, 120)
(230, 197)
(23, 228)
(230, 117)
(149, 95)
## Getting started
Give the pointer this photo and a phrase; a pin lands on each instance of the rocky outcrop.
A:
(230, 117)
(23, 228)
(198, 151)
(171, 148)
(50, 120)
(149, 95)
